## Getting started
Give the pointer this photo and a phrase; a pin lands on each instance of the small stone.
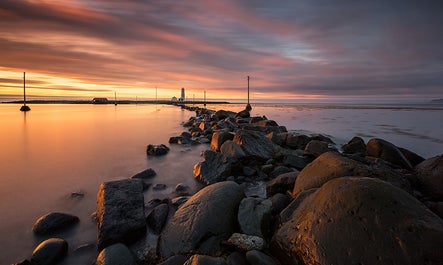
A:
(49, 252)
(145, 174)
(182, 189)
(53, 222)
(156, 219)
(157, 150)
(246, 242)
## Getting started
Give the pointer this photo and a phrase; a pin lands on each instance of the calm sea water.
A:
(55, 150)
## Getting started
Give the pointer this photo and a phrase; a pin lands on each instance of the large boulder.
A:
(120, 212)
(218, 138)
(412, 157)
(430, 177)
(215, 168)
(281, 184)
(117, 254)
(53, 222)
(231, 149)
(360, 220)
(49, 252)
(296, 141)
(355, 146)
(332, 165)
(254, 216)
(205, 220)
(316, 148)
(223, 114)
(387, 151)
(255, 144)
(259, 258)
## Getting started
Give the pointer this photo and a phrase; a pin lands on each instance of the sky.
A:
(292, 50)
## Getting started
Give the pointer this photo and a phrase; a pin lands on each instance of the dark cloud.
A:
(301, 47)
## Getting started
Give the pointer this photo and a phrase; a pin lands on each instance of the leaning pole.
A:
(24, 107)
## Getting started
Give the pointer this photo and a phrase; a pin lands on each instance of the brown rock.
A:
(430, 177)
(355, 146)
(387, 151)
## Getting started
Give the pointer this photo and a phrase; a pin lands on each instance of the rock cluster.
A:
(368, 203)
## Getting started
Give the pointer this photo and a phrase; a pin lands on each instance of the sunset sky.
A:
(292, 50)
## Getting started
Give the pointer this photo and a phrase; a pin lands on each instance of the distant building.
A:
(182, 98)
(100, 100)
(174, 99)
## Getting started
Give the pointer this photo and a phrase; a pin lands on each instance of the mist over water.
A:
(54, 150)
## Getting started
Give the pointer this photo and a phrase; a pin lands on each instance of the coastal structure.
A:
(24, 107)
(182, 97)
(100, 101)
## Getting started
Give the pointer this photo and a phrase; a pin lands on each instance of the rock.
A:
(236, 258)
(159, 186)
(180, 140)
(265, 123)
(116, 254)
(186, 135)
(231, 149)
(156, 219)
(182, 189)
(355, 146)
(279, 202)
(144, 250)
(286, 213)
(296, 161)
(218, 138)
(255, 144)
(430, 177)
(201, 223)
(249, 172)
(223, 114)
(23, 262)
(437, 208)
(279, 170)
(49, 252)
(275, 137)
(359, 220)
(243, 114)
(259, 258)
(246, 242)
(175, 260)
(216, 167)
(316, 148)
(254, 216)
(145, 174)
(179, 200)
(77, 195)
(120, 212)
(53, 222)
(297, 141)
(281, 183)
(412, 157)
(204, 260)
(385, 150)
(157, 150)
(332, 165)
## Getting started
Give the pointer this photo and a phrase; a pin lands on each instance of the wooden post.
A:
(248, 89)
(204, 101)
(24, 107)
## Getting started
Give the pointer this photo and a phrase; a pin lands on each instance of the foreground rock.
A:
(117, 254)
(387, 151)
(201, 223)
(359, 221)
(430, 177)
(215, 168)
(254, 216)
(255, 144)
(49, 252)
(157, 150)
(53, 222)
(120, 212)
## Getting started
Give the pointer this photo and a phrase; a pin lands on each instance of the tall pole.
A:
(248, 89)
(204, 99)
(24, 107)
(156, 95)
(115, 98)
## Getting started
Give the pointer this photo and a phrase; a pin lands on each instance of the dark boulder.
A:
(218, 138)
(231, 149)
(145, 174)
(255, 144)
(254, 216)
(281, 184)
(430, 177)
(182, 189)
(243, 114)
(157, 150)
(412, 157)
(259, 258)
(156, 219)
(297, 161)
(49, 252)
(265, 123)
(279, 170)
(315, 148)
(175, 260)
(204, 260)
(279, 202)
(236, 258)
(53, 222)
(116, 254)
(203, 222)
(358, 220)
(215, 168)
(120, 212)
(297, 141)
(355, 146)
(387, 151)
(223, 114)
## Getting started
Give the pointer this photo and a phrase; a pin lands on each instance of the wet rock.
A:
(286, 213)
(215, 168)
(145, 174)
(156, 219)
(387, 151)
(266, 123)
(279, 202)
(276, 138)
(297, 141)
(281, 183)
(175, 260)
(279, 170)
(218, 138)
(53, 222)
(254, 216)
(316, 148)
(259, 258)
(49, 252)
(236, 258)
(179, 200)
(144, 250)
(116, 254)
(355, 146)
(367, 216)
(182, 189)
(159, 186)
(223, 114)
(243, 114)
(255, 144)
(23, 262)
(231, 149)
(120, 212)
(180, 140)
(296, 161)
(245, 242)
(412, 157)
(201, 223)
(430, 177)
(157, 150)
(204, 260)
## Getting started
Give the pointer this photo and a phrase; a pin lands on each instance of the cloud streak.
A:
(290, 48)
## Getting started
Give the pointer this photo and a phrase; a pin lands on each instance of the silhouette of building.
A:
(182, 98)
(100, 100)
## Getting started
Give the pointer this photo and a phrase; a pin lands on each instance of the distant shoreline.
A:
(111, 102)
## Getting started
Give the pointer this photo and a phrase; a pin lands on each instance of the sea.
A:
(54, 157)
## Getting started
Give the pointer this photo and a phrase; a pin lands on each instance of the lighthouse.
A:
(182, 97)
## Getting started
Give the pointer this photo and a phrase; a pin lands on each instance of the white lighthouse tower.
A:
(182, 97)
